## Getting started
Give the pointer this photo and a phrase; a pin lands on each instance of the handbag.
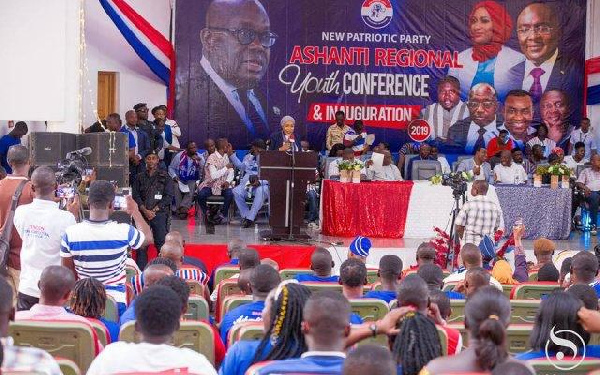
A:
(8, 226)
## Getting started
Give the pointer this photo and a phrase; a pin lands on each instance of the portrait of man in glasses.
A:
(545, 67)
(224, 99)
(481, 126)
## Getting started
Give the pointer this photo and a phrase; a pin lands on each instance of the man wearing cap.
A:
(153, 193)
(359, 248)
(249, 184)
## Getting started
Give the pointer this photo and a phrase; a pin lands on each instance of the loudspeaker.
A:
(107, 148)
(120, 174)
(50, 148)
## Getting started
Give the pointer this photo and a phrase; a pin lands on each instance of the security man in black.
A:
(153, 192)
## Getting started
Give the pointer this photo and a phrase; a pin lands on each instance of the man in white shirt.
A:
(477, 166)
(508, 172)
(577, 159)
(589, 182)
(448, 110)
(583, 134)
(387, 172)
(348, 155)
(41, 225)
(157, 316)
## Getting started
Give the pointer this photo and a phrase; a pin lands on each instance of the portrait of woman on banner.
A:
(488, 60)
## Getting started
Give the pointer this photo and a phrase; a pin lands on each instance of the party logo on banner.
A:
(377, 14)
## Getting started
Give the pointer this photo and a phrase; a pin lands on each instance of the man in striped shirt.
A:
(98, 247)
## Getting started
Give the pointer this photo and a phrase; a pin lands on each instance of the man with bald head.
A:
(174, 251)
(508, 172)
(225, 100)
(545, 67)
(151, 275)
(470, 256)
(387, 172)
(41, 225)
(481, 126)
(478, 217)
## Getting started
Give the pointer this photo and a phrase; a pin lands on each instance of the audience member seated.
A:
(185, 169)
(425, 255)
(434, 277)
(417, 342)
(283, 339)
(508, 172)
(543, 249)
(564, 279)
(325, 336)
(542, 139)
(475, 278)
(233, 253)
(270, 262)
(187, 260)
(589, 182)
(359, 248)
(348, 155)
(174, 251)
(558, 313)
(441, 300)
(548, 273)
(149, 277)
(442, 159)
(477, 166)
(390, 269)
(353, 277)
(584, 270)
(536, 158)
(157, 319)
(82, 239)
(487, 314)
(471, 258)
(577, 159)
(388, 172)
(263, 279)
(22, 359)
(321, 263)
(369, 359)
(89, 300)
(502, 270)
(501, 142)
(218, 176)
(424, 154)
(586, 294)
(248, 260)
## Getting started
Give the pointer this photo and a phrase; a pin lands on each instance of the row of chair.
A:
(529, 291)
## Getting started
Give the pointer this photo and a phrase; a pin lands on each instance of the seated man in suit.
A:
(348, 155)
(250, 185)
(285, 139)
(478, 166)
(482, 125)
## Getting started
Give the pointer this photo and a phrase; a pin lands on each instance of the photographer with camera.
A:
(41, 225)
(478, 217)
(100, 235)
(153, 193)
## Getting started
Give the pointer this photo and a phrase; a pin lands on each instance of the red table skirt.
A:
(371, 208)
(214, 255)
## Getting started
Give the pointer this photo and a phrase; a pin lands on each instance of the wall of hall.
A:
(107, 50)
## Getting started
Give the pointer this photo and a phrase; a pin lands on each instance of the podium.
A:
(288, 175)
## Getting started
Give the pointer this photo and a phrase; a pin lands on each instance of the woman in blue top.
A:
(558, 313)
(283, 339)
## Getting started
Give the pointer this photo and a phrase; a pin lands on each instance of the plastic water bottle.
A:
(517, 180)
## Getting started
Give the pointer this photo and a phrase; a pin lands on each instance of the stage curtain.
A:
(372, 209)
(214, 255)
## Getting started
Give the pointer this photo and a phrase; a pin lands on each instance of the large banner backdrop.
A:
(243, 65)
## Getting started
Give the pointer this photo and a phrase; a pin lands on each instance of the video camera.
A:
(72, 169)
(457, 182)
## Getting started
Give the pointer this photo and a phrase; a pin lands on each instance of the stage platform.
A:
(194, 232)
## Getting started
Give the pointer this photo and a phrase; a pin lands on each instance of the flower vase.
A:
(554, 182)
(356, 177)
(345, 176)
(537, 180)
(565, 182)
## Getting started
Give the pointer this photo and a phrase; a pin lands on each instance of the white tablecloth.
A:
(431, 206)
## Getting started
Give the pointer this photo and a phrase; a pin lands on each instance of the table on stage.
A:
(411, 209)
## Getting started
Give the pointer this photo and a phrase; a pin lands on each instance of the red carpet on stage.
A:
(213, 255)
(372, 209)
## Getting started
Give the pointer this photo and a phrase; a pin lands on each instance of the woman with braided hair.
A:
(89, 300)
(487, 314)
(283, 338)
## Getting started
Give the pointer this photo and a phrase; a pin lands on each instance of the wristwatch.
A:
(373, 328)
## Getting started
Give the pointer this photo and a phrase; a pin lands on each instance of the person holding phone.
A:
(153, 193)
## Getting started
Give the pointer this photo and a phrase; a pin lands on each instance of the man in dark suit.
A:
(139, 144)
(223, 100)
(545, 68)
(482, 124)
(285, 139)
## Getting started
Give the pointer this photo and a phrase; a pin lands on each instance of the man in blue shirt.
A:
(584, 269)
(11, 139)
(262, 280)
(390, 268)
(434, 277)
(325, 334)
(321, 263)
(139, 144)
(353, 277)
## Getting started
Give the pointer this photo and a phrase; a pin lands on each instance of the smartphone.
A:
(120, 203)
(65, 192)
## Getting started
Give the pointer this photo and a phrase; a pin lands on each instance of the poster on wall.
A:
(468, 68)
